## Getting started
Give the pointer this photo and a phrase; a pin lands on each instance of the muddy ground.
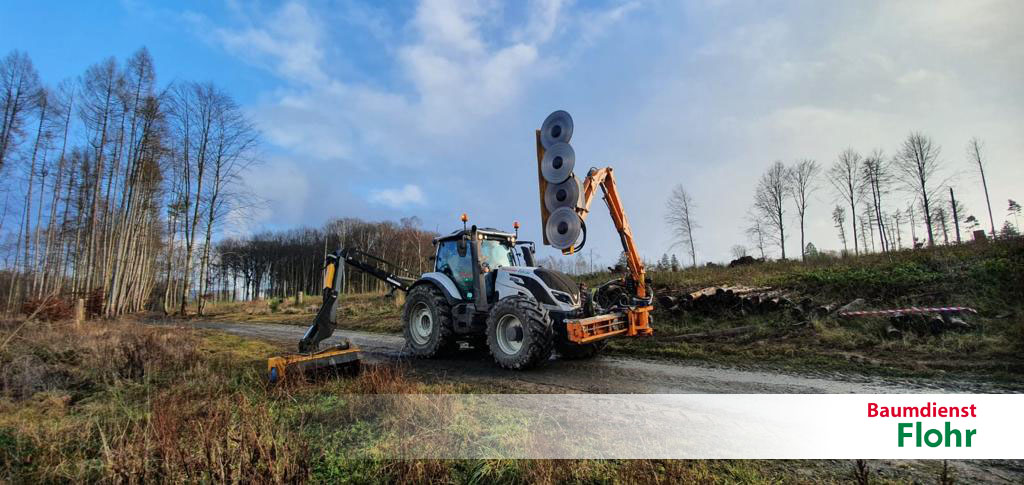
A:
(614, 374)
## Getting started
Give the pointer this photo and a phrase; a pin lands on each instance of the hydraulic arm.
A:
(343, 355)
(634, 318)
(334, 277)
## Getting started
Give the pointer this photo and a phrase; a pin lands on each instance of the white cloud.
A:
(290, 43)
(398, 198)
(458, 67)
(699, 94)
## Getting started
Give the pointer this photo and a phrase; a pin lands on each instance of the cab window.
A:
(496, 254)
(458, 268)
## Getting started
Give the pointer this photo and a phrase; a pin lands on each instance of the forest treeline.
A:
(116, 185)
(879, 202)
(282, 263)
(118, 189)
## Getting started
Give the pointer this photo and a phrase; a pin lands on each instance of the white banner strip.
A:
(687, 426)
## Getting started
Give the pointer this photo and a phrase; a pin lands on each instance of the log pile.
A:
(737, 299)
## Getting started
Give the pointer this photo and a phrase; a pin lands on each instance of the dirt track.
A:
(607, 374)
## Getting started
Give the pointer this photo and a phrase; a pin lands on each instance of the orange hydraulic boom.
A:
(636, 319)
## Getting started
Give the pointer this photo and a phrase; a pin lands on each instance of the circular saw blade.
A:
(565, 194)
(558, 162)
(563, 228)
(557, 128)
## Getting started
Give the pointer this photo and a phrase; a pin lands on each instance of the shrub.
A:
(48, 309)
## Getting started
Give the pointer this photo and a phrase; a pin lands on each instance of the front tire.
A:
(519, 333)
(427, 322)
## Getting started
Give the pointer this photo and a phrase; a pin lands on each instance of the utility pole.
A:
(956, 215)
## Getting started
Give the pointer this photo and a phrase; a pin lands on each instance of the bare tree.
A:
(918, 165)
(756, 233)
(19, 83)
(839, 218)
(974, 154)
(100, 88)
(865, 226)
(845, 177)
(192, 119)
(769, 202)
(877, 179)
(233, 142)
(897, 218)
(679, 217)
(803, 181)
(940, 218)
(738, 251)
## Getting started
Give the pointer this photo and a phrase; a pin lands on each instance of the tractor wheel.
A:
(519, 333)
(573, 351)
(427, 319)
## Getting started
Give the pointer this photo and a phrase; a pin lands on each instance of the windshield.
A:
(496, 253)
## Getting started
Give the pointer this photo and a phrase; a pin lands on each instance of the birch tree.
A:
(679, 217)
(918, 166)
(769, 200)
(845, 177)
(232, 145)
(802, 179)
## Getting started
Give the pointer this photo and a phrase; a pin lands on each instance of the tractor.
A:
(486, 289)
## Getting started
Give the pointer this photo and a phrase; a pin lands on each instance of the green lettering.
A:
(950, 433)
(970, 433)
(933, 433)
(904, 434)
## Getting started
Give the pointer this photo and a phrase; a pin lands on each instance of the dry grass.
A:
(371, 312)
(124, 402)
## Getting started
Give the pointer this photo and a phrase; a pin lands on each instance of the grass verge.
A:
(126, 402)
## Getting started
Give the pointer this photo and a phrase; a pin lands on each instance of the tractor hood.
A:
(549, 287)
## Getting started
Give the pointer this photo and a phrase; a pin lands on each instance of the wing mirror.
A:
(461, 247)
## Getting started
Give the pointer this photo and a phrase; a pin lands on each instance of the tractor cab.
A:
(464, 255)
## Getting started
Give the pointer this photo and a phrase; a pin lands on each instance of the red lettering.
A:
(872, 410)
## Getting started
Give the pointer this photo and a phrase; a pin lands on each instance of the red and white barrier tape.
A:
(908, 311)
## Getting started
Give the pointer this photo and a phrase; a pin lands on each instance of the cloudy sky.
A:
(383, 110)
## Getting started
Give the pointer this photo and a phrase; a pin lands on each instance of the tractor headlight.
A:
(562, 297)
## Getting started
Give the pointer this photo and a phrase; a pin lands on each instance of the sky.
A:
(382, 110)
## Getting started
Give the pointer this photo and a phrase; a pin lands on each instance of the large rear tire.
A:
(427, 322)
(572, 351)
(519, 333)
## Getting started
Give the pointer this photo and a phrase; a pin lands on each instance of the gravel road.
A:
(607, 374)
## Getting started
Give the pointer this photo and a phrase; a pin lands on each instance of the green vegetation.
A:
(987, 277)
(370, 312)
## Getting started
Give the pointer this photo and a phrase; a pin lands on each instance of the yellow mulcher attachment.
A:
(343, 358)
